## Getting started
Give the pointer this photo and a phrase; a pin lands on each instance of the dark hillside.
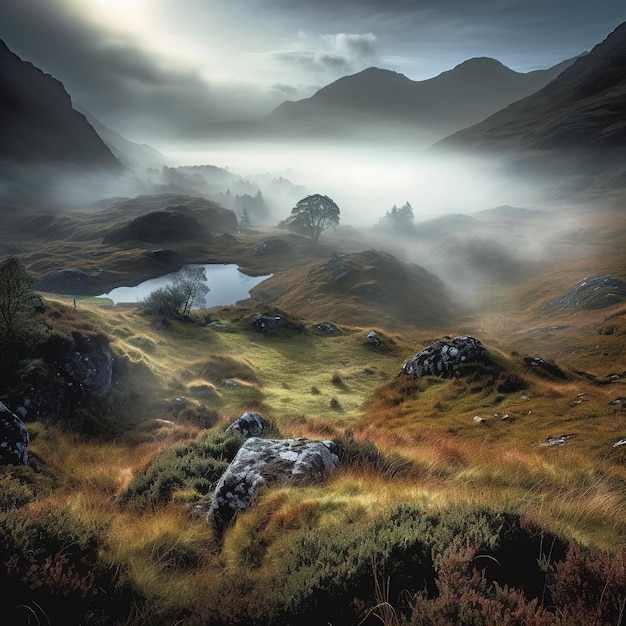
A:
(38, 124)
(584, 108)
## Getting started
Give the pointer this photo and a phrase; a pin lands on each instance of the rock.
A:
(373, 338)
(75, 371)
(268, 324)
(40, 304)
(593, 292)
(479, 420)
(270, 246)
(13, 438)
(89, 365)
(440, 358)
(249, 424)
(229, 383)
(202, 390)
(326, 328)
(555, 442)
(266, 462)
(166, 256)
(66, 281)
(546, 368)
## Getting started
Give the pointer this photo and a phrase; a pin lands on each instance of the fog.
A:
(475, 225)
(367, 180)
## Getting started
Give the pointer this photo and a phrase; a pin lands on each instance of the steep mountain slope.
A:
(584, 108)
(38, 124)
(378, 101)
(134, 155)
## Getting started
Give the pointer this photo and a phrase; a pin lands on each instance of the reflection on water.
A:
(226, 283)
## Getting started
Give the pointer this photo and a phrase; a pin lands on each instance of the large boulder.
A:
(250, 424)
(266, 462)
(13, 438)
(442, 357)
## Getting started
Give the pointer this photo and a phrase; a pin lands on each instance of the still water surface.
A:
(226, 283)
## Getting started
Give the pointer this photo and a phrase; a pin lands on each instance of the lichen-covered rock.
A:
(75, 371)
(250, 424)
(13, 438)
(90, 365)
(440, 358)
(266, 462)
(592, 292)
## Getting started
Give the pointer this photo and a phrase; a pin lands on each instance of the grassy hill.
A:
(537, 479)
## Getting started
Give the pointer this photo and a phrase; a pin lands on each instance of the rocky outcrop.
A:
(76, 371)
(547, 369)
(89, 365)
(442, 357)
(268, 324)
(13, 438)
(166, 256)
(271, 246)
(265, 462)
(250, 424)
(592, 292)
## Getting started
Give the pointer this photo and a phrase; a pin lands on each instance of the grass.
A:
(406, 443)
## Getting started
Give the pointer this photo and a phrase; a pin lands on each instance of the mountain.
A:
(134, 155)
(39, 127)
(382, 102)
(582, 109)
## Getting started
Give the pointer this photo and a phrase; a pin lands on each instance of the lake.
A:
(226, 283)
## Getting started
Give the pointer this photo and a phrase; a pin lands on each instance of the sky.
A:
(147, 68)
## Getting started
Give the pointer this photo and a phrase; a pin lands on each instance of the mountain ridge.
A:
(584, 107)
(352, 104)
(39, 123)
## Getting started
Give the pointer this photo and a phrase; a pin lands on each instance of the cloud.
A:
(326, 57)
(136, 86)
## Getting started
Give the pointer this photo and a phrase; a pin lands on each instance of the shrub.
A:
(51, 559)
(466, 597)
(13, 492)
(362, 453)
(196, 466)
(590, 586)
(175, 301)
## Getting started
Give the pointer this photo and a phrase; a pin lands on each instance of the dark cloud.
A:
(112, 77)
(141, 92)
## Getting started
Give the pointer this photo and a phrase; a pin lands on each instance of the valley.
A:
(418, 419)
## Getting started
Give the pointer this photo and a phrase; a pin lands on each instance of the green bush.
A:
(197, 466)
(332, 574)
(13, 492)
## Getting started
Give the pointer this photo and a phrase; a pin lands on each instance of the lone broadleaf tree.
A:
(313, 215)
